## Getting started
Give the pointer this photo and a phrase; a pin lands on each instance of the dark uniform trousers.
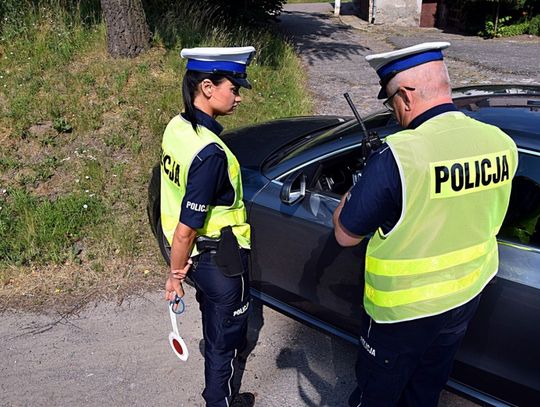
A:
(224, 303)
(408, 363)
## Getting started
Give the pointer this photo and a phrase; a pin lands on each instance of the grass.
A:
(80, 132)
(42, 230)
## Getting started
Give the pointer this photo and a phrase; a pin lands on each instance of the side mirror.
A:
(294, 188)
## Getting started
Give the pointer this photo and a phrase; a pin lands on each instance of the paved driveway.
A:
(333, 51)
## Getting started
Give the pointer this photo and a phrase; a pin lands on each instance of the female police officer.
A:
(202, 212)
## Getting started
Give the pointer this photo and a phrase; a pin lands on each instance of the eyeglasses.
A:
(178, 345)
(387, 103)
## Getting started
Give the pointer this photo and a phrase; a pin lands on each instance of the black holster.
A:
(228, 257)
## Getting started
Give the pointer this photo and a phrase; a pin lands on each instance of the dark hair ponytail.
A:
(190, 86)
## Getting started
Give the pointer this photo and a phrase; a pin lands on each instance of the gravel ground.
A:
(118, 356)
(114, 355)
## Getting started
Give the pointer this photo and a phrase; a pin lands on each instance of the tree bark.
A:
(128, 34)
(496, 18)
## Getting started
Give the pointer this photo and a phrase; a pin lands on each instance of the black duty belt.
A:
(205, 244)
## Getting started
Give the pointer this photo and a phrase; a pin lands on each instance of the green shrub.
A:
(246, 12)
(533, 27)
(514, 29)
(490, 31)
(229, 12)
(505, 29)
(478, 16)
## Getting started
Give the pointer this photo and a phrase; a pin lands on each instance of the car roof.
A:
(515, 109)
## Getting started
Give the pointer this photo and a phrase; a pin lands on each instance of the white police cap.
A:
(229, 61)
(389, 64)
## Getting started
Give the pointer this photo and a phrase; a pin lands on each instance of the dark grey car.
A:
(294, 171)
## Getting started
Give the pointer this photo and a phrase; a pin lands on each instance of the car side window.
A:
(336, 175)
(522, 221)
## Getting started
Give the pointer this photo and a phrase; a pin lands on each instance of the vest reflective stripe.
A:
(180, 147)
(402, 267)
(395, 298)
(456, 178)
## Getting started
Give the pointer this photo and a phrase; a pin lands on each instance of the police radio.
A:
(370, 142)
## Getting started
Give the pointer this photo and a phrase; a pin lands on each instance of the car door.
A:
(296, 259)
(500, 353)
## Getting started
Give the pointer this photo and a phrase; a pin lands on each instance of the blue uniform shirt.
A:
(375, 200)
(208, 179)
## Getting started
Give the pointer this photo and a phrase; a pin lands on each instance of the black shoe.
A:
(243, 400)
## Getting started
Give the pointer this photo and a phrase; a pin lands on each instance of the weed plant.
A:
(80, 128)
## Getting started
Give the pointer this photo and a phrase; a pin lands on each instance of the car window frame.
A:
(514, 242)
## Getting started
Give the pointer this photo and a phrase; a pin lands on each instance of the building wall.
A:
(396, 12)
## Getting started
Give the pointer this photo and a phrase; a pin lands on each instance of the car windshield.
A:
(312, 141)
(515, 113)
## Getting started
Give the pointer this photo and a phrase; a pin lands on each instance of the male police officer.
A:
(434, 198)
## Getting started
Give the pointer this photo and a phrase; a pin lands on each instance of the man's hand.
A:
(343, 236)
(173, 286)
(337, 212)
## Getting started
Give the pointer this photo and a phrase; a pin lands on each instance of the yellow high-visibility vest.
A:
(456, 176)
(180, 146)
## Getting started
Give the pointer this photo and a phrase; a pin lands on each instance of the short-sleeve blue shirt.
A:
(208, 180)
(376, 199)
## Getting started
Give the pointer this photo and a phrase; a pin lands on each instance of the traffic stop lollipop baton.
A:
(177, 307)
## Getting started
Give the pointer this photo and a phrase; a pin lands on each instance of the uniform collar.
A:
(207, 121)
(431, 113)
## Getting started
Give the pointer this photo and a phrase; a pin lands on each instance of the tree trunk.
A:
(496, 18)
(127, 31)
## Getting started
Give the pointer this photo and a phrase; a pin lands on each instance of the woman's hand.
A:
(174, 282)
(173, 287)
(180, 274)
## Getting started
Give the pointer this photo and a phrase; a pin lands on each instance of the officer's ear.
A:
(206, 87)
(407, 97)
